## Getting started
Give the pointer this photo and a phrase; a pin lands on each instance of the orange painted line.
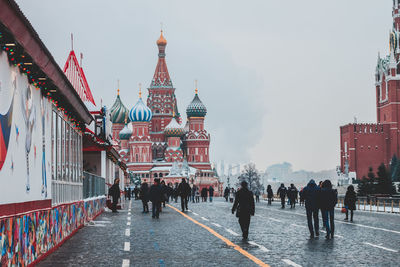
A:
(227, 241)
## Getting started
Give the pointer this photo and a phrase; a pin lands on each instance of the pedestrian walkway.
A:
(209, 235)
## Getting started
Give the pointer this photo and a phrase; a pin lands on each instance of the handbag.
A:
(344, 210)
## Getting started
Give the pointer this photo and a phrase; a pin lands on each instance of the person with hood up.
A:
(350, 202)
(244, 207)
(155, 196)
(282, 191)
(311, 197)
(328, 200)
(115, 193)
(211, 193)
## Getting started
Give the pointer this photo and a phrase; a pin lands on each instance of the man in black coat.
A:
(184, 192)
(282, 191)
(244, 207)
(155, 196)
(115, 193)
(211, 193)
(311, 194)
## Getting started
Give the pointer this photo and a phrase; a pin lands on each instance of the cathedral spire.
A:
(161, 77)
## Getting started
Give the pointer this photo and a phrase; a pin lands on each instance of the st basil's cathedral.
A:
(152, 139)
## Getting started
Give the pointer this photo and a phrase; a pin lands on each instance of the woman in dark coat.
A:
(350, 202)
(270, 194)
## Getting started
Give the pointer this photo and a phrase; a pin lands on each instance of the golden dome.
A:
(161, 40)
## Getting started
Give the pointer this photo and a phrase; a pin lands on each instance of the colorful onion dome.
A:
(174, 129)
(161, 40)
(196, 108)
(118, 111)
(125, 133)
(140, 112)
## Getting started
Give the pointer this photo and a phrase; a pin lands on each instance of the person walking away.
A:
(115, 193)
(232, 195)
(143, 195)
(328, 200)
(282, 191)
(244, 207)
(211, 193)
(193, 193)
(311, 197)
(292, 195)
(350, 200)
(184, 192)
(164, 195)
(257, 195)
(204, 194)
(301, 197)
(197, 194)
(136, 192)
(155, 196)
(129, 193)
(226, 193)
(270, 194)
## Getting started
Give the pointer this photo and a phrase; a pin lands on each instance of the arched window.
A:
(155, 175)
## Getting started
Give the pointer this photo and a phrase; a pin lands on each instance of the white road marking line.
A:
(101, 221)
(194, 213)
(205, 219)
(127, 232)
(129, 213)
(262, 248)
(275, 220)
(216, 224)
(128, 223)
(231, 232)
(339, 221)
(125, 263)
(335, 235)
(127, 246)
(381, 247)
(129, 218)
(291, 263)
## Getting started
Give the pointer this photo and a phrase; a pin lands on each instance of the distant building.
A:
(152, 139)
(368, 145)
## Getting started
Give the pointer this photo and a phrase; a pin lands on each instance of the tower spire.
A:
(195, 84)
(140, 90)
(117, 87)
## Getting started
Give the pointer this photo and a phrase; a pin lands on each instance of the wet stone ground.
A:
(277, 238)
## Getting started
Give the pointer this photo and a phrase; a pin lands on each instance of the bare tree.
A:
(252, 177)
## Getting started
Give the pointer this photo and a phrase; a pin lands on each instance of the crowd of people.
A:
(316, 198)
(160, 193)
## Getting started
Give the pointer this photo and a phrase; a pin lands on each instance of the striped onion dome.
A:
(196, 108)
(125, 133)
(118, 111)
(140, 112)
(174, 129)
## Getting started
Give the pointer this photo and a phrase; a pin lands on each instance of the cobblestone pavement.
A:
(277, 238)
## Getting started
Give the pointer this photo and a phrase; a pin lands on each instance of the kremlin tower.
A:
(369, 144)
(152, 140)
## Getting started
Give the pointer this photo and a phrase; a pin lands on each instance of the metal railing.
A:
(93, 185)
(377, 204)
(63, 191)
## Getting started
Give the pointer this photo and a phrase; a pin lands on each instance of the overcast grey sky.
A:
(278, 77)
